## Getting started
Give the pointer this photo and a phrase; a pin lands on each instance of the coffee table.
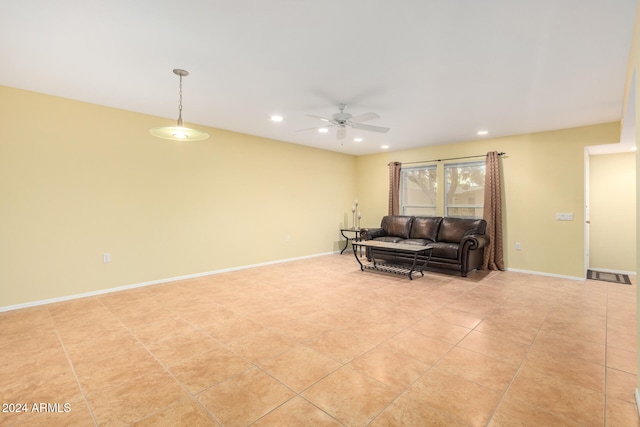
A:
(417, 257)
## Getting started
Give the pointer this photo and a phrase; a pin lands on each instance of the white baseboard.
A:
(226, 270)
(541, 273)
(152, 282)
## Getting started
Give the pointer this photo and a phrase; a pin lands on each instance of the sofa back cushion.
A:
(397, 225)
(425, 227)
(452, 230)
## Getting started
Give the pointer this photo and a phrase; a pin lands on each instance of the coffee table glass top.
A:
(389, 245)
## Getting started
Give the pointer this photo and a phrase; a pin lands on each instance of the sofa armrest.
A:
(475, 241)
(469, 243)
(371, 233)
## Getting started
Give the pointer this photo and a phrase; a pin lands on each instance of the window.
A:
(418, 191)
(464, 190)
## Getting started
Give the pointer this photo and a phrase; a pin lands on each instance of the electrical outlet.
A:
(517, 246)
(106, 257)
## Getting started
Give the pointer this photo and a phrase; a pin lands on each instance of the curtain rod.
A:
(451, 158)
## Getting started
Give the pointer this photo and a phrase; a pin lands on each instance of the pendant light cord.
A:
(180, 104)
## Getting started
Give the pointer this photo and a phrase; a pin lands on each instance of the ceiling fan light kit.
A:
(341, 120)
(179, 132)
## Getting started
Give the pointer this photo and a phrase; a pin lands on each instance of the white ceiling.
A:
(435, 71)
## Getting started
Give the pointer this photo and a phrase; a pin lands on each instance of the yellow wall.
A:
(78, 180)
(632, 95)
(613, 212)
(543, 174)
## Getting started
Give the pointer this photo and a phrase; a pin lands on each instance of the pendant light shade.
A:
(179, 132)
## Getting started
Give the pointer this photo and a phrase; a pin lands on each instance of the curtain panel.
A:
(394, 188)
(493, 254)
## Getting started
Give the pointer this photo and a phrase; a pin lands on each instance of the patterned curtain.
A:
(394, 188)
(493, 255)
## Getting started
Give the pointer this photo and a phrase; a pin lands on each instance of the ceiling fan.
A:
(341, 120)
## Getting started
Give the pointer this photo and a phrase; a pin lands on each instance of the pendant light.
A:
(179, 132)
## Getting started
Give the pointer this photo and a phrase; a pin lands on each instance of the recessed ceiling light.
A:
(483, 132)
(323, 130)
(634, 148)
(357, 139)
(277, 118)
(384, 147)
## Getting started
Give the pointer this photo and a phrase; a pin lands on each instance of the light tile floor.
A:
(317, 342)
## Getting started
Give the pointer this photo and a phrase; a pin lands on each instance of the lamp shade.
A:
(179, 133)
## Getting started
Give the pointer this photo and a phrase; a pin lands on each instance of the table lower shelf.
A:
(417, 257)
(391, 268)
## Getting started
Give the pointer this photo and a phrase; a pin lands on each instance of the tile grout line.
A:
(73, 369)
(344, 365)
(166, 369)
(550, 307)
(515, 375)
(432, 366)
(257, 366)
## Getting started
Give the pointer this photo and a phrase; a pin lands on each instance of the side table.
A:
(355, 237)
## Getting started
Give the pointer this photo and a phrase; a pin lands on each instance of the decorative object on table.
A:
(354, 209)
(353, 215)
(354, 221)
(359, 217)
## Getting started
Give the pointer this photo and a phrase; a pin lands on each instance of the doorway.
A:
(610, 201)
(610, 213)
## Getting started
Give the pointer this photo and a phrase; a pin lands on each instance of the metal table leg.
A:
(355, 254)
(348, 239)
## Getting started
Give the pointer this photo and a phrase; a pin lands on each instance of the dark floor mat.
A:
(623, 279)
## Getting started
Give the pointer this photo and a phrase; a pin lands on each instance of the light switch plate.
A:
(564, 216)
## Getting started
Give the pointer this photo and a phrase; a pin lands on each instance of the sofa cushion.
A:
(425, 227)
(445, 250)
(390, 239)
(452, 230)
(398, 225)
(422, 242)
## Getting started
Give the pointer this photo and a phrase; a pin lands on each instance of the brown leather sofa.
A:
(458, 243)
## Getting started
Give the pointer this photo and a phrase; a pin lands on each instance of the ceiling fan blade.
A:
(364, 117)
(315, 128)
(342, 132)
(370, 127)
(324, 119)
